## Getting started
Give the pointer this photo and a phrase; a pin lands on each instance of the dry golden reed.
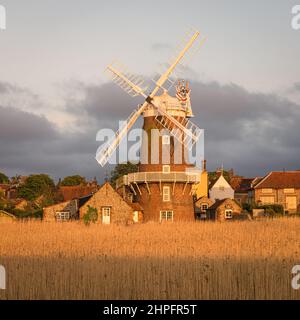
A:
(203, 260)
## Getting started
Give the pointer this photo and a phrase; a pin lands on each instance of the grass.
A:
(203, 260)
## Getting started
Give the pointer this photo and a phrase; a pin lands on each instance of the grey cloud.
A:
(295, 87)
(250, 132)
(19, 126)
(158, 46)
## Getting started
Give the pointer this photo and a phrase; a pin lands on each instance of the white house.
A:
(221, 189)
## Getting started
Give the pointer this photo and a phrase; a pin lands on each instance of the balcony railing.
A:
(148, 177)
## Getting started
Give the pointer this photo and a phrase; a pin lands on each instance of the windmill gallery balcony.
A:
(149, 177)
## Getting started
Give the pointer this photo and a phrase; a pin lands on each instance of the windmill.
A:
(184, 131)
(163, 189)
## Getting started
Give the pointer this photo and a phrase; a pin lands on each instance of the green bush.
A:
(23, 214)
(271, 209)
(75, 180)
(90, 216)
(247, 207)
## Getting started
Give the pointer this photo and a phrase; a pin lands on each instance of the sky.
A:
(54, 95)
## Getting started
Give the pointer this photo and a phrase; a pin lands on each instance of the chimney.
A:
(204, 165)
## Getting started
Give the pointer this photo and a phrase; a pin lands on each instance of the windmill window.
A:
(165, 139)
(166, 194)
(166, 215)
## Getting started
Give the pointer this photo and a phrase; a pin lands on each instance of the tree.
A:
(3, 178)
(214, 175)
(36, 185)
(120, 170)
(75, 180)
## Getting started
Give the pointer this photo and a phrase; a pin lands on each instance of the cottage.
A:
(111, 207)
(221, 189)
(63, 211)
(201, 206)
(3, 190)
(224, 210)
(279, 188)
(241, 187)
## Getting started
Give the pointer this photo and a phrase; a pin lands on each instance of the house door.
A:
(106, 215)
(291, 203)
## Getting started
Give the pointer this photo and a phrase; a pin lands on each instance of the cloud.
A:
(159, 46)
(295, 88)
(250, 132)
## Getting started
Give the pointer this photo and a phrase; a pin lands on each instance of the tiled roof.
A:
(75, 192)
(280, 180)
(240, 184)
(220, 202)
(4, 186)
(135, 206)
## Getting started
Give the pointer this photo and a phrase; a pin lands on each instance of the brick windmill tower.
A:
(163, 185)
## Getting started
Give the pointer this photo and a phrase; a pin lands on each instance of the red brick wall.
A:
(181, 204)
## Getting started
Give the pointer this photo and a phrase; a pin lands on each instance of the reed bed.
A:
(203, 260)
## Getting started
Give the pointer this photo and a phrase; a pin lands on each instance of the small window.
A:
(63, 215)
(166, 169)
(228, 214)
(165, 139)
(289, 190)
(204, 207)
(267, 190)
(106, 211)
(166, 194)
(106, 215)
(267, 200)
(166, 215)
(221, 188)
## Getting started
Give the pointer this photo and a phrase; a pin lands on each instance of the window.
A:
(291, 203)
(267, 200)
(267, 190)
(166, 194)
(165, 139)
(166, 169)
(289, 190)
(106, 215)
(221, 188)
(204, 207)
(63, 215)
(135, 216)
(166, 215)
(228, 214)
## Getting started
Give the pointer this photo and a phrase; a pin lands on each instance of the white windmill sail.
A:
(193, 39)
(133, 85)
